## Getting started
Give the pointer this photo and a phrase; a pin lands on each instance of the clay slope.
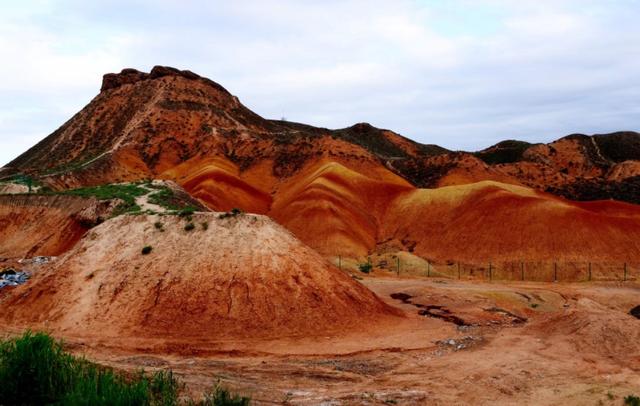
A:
(242, 277)
(490, 221)
(45, 225)
(168, 122)
(348, 191)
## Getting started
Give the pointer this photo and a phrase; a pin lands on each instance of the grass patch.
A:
(126, 192)
(165, 197)
(35, 370)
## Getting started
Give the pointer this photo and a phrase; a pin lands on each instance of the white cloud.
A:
(464, 74)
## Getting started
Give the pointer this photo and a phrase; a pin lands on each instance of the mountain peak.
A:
(130, 76)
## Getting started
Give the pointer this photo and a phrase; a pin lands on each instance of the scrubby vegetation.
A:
(365, 267)
(35, 370)
(189, 227)
(158, 194)
(504, 152)
(186, 212)
(632, 400)
(22, 179)
(165, 197)
(233, 213)
(158, 225)
(147, 250)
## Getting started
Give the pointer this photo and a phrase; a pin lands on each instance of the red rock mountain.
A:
(356, 190)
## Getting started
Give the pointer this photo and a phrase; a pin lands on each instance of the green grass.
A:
(35, 370)
(127, 192)
(165, 197)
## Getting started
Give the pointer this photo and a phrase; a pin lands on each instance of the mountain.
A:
(349, 191)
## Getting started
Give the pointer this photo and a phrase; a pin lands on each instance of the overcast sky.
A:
(464, 74)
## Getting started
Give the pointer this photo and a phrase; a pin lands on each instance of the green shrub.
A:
(147, 250)
(632, 400)
(35, 370)
(186, 212)
(365, 267)
(189, 227)
(233, 213)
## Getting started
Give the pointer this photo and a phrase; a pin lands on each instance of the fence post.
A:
(555, 272)
(589, 271)
(522, 271)
(398, 266)
(428, 269)
(458, 270)
(625, 272)
(340, 262)
(490, 276)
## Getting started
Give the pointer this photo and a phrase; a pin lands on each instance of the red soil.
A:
(45, 225)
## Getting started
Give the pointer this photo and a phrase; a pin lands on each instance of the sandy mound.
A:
(235, 277)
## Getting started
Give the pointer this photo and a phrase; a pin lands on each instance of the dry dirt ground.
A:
(461, 343)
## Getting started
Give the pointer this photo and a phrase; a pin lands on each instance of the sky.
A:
(464, 74)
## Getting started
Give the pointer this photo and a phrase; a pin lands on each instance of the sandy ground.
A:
(529, 343)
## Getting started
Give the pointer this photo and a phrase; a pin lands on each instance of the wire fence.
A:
(533, 271)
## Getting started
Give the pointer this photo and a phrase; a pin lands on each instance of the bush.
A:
(221, 397)
(365, 267)
(205, 225)
(186, 212)
(147, 250)
(189, 227)
(158, 225)
(233, 213)
(632, 400)
(35, 370)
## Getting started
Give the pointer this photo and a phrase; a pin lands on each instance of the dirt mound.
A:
(46, 225)
(239, 276)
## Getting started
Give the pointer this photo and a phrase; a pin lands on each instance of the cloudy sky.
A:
(460, 73)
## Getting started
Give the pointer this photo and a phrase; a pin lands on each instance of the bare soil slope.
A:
(45, 225)
(237, 277)
(490, 221)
